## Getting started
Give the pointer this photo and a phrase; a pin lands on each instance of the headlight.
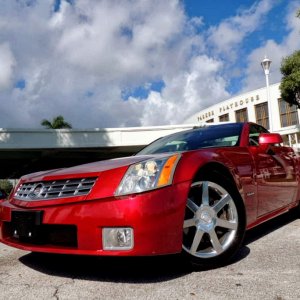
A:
(148, 175)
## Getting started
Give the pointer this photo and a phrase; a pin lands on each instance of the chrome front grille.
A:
(46, 190)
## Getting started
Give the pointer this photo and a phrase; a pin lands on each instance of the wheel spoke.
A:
(222, 202)
(192, 205)
(188, 223)
(197, 239)
(205, 196)
(227, 224)
(215, 242)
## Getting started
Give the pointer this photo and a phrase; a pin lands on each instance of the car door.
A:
(275, 173)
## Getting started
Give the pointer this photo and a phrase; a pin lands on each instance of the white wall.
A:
(69, 138)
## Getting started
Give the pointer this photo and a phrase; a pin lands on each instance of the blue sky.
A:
(213, 12)
(273, 26)
(112, 63)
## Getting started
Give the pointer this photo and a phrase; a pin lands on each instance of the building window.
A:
(262, 114)
(288, 114)
(241, 115)
(224, 118)
(209, 121)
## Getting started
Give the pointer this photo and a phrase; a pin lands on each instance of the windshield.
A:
(226, 135)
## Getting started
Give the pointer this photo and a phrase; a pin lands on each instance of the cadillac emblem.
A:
(37, 190)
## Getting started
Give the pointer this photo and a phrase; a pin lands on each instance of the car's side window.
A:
(255, 131)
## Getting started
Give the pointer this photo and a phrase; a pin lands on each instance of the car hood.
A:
(89, 170)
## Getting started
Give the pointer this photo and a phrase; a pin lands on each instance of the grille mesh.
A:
(45, 190)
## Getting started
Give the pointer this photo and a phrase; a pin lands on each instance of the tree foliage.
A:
(57, 123)
(290, 83)
(6, 185)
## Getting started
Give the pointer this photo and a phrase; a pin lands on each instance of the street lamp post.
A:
(266, 63)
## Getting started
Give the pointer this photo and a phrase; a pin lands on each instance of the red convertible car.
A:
(194, 192)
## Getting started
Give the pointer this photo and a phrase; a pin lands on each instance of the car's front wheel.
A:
(214, 223)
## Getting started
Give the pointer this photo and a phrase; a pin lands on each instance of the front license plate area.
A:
(26, 224)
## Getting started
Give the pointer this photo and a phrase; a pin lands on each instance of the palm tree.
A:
(57, 123)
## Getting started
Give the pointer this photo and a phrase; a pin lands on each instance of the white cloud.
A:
(111, 40)
(184, 94)
(228, 35)
(275, 51)
(78, 61)
(7, 63)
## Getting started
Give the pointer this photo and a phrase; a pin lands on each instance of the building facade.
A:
(253, 107)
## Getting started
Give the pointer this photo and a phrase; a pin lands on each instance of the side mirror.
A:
(269, 138)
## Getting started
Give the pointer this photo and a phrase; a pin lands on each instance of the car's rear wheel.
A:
(214, 223)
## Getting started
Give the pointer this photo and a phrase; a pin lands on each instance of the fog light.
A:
(118, 238)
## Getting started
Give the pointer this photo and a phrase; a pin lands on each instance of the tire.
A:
(214, 222)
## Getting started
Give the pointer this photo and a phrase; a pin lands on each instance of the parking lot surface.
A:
(266, 267)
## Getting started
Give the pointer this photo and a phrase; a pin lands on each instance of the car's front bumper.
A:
(76, 228)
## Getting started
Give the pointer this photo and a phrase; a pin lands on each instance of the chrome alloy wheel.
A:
(211, 220)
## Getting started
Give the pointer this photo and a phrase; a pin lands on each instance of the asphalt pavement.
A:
(266, 267)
